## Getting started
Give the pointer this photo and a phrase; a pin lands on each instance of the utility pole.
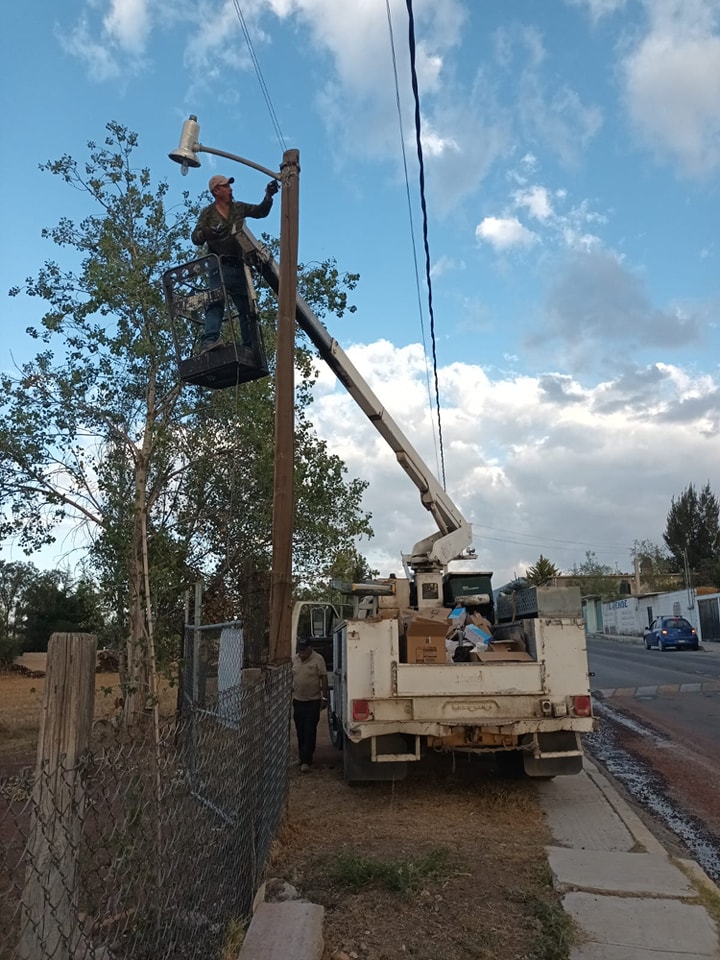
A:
(688, 581)
(283, 489)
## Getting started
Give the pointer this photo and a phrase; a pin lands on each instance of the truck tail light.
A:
(582, 706)
(360, 710)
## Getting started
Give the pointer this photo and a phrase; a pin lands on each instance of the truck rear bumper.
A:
(472, 733)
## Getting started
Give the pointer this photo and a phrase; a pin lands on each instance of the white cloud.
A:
(536, 201)
(672, 84)
(598, 8)
(433, 144)
(128, 22)
(504, 233)
(444, 265)
(537, 463)
(98, 57)
(596, 304)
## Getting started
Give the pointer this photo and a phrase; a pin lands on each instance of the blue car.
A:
(666, 632)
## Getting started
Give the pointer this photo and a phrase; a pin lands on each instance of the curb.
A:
(641, 833)
(632, 821)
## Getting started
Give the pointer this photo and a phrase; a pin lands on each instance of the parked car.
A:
(666, 632)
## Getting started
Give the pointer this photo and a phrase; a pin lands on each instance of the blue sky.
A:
(572, 154)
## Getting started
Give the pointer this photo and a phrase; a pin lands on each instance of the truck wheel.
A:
(334, 727)
(358, 767)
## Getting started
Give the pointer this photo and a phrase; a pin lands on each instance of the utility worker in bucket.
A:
(217, 227)
(310, 696)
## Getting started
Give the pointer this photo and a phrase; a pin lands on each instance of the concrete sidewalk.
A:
(631, 901)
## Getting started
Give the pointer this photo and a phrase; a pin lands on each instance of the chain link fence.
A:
(154, 843)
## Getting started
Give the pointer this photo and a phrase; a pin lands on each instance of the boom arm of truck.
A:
(454, 534)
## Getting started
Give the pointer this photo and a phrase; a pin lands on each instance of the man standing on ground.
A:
(310, 690)
(217, 227)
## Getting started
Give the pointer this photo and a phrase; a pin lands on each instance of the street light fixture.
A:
(283, 494)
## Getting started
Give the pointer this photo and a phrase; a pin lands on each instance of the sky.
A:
(572, 160)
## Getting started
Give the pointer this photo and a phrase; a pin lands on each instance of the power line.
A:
(410, 216)
(602, 547)
(259, 75)
(421, 165)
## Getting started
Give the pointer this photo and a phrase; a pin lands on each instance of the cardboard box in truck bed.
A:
(426, 641)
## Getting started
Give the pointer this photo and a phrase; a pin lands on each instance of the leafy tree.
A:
(693, 530)
(170, 484)
(541, 572)
(658, 569)
(53, 603)
(15, 580)
(595, 578)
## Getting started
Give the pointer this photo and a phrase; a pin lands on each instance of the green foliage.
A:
(657, 566)
(692, 531)
(53, 603)
(595, 578)
(15, 580)
(171, 484)
(356, 871)
(541, 572)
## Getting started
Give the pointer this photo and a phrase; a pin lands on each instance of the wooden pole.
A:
(49, 923)
(282, 522)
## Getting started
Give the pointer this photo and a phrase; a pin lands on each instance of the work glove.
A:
(272, 188)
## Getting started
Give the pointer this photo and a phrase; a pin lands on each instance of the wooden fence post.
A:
(49, 922)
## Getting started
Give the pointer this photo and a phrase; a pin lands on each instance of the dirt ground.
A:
(21, 703)
(445, 865)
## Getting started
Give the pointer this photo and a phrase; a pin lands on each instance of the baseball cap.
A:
(217, 181)
(304, 642)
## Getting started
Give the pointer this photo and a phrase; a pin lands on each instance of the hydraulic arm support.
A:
(454, 532)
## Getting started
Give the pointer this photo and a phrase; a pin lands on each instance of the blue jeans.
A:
(236, 286)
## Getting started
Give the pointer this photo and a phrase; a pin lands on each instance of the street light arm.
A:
(200, 148)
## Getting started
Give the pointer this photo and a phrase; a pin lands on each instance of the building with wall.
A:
(629, 616)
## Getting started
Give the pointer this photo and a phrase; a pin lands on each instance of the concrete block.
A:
(281, 930)
(579, 815)
(630, 873)
(635, 925)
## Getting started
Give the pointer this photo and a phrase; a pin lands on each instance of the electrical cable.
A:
(259, 75)
(421, 165)
(411, 219)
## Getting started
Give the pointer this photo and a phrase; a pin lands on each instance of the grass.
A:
(556, 932)
(707, 892)
(234, 938)
(399, 876)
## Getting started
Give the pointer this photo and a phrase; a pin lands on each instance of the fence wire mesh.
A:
(152, 846)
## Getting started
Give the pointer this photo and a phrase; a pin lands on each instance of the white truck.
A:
(396, 693)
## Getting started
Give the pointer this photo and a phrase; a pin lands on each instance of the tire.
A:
(661, 646)
(647, 643)
(359, 768)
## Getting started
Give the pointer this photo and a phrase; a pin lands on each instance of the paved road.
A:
(659, 729)
(620, 665)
